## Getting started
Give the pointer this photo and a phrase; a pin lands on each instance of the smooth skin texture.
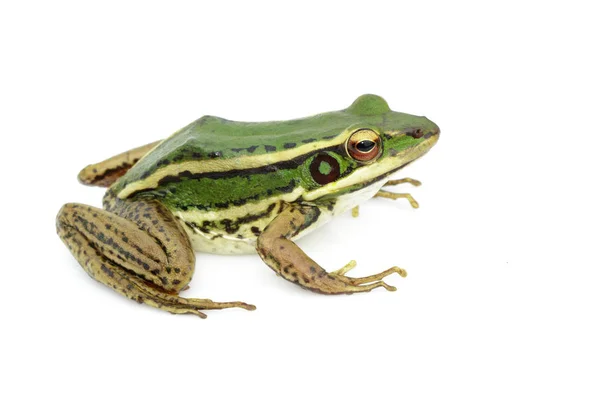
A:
(232, 187)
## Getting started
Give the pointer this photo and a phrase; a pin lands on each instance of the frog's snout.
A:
(433, 130)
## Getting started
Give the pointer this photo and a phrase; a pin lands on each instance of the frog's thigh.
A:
(148, 261)
(106, 172)
(287, 259)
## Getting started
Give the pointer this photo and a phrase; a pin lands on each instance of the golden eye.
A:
(364, 145)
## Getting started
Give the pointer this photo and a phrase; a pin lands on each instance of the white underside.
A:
(232, 244)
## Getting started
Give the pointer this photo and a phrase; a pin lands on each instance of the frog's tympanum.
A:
(229, 187)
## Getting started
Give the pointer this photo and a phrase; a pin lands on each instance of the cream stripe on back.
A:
(223, 165)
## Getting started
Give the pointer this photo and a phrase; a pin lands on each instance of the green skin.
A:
(232, 187)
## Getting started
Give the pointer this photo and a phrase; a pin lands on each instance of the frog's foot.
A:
(285, 257)
(368, 279)
(394, 196)
(395, 182)
(148, 258)
(138, 289)
(106, 172)
(390, 195)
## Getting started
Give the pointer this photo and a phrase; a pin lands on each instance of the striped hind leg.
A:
(138, 249)
(106, 172)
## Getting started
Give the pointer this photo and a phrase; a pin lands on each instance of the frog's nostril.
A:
(435, 130)
(416, 133)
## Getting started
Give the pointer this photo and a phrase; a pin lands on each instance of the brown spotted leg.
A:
(138, 249)
(106, 172)
(276, 249)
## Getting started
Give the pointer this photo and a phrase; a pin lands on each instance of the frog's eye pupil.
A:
(365, 146)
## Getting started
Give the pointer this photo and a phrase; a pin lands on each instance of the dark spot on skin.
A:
(176, 282)
(255, 230)
(164, 281)
(286, 270)
(251, 149)
(309, 140)
(270, 148)
(177, 270)
(106, 270)
(289, 145)
(313, 269)
(214, 154)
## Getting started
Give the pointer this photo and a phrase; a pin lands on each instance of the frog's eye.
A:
(364, 145)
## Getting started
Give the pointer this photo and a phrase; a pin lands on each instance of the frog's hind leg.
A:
(138, 249)
(106, 172)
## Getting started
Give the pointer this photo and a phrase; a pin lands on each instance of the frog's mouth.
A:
(373, 174)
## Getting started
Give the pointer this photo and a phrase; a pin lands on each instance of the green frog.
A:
(230, 187)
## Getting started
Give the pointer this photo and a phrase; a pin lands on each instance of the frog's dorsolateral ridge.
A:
(231, 187)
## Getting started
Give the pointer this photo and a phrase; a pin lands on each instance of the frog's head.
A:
(377, 143)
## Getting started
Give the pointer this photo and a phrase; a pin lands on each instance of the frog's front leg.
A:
(395, 182)
(138, 249)
(394, 196)
(277, 250)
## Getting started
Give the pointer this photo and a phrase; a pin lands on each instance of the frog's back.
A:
(224, 145)
(212, 138)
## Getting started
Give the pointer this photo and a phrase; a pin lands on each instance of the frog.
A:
(229, 187)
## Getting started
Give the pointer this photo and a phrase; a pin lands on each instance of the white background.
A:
(502, 297)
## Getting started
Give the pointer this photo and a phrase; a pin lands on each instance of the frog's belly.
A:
(222, 245)
(235, 231)
(225, 234)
